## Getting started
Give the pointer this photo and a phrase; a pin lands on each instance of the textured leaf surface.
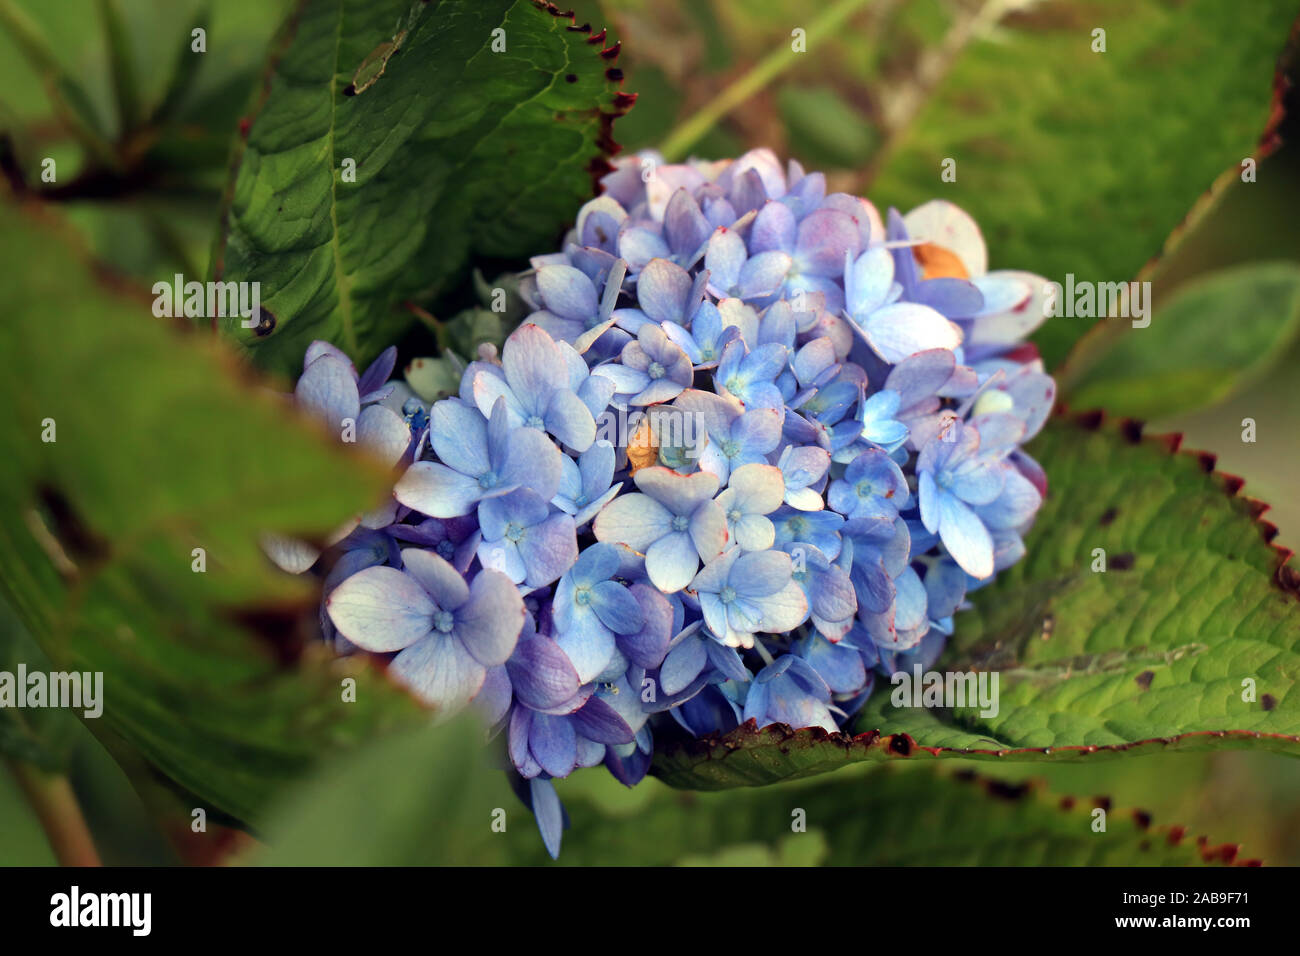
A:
(1149, 655)
(163, 448)
(1211, 339)
(894, 816)
(460, 151)
(1081, 162)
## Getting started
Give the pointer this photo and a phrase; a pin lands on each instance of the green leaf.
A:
(1214, 337)
(425, 796)
(443, 804)
(824, 128)
(70, 100)
(186, 68)
(163, 446)
(460, 153)
(1156, 653)
(43, 736)
(893, 816)
(122, 65)
(1089, 176)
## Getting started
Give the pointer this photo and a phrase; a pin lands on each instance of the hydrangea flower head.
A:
(752, 446)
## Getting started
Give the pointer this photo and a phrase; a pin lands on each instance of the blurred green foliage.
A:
(146, 203)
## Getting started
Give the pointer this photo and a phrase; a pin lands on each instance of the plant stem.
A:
(51, 796)
(690, 131)
(70, 101)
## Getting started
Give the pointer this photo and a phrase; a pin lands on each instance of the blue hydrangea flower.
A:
(585, 483)
(790, 691)
(837, 403)
(448, 632)
(524, 539)
(832, 601)
(573, 312)
(736, 437)
(753, 492)
(952, 477)
(652, 369)
(707, 337)
(477, 459)
(873, 486)
(743, 593)
(589, 609)
(750, 375)
(535, 382)
(673, 521)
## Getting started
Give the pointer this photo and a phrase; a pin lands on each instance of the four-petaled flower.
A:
(448, 632)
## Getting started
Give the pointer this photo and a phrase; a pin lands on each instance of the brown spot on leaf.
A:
(1288, 578)
(1123, 562)
(1006, 791)
(901, 744)
(266, 322)
(78, 540)
(285, 628)
(1144, 679)
(1268, 702)
(1107, 516)
(1091, 420)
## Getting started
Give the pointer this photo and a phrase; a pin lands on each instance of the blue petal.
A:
(381, 609)
(488, 624)
(440, 672)
(566, 291)
(617, 609)
(542, 674)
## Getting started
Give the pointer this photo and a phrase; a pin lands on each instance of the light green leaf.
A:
(1190, 639)
(824, 128)
(163, 446)
(425, 796)
(1212, 338)
(1082, 162)
(460, 151)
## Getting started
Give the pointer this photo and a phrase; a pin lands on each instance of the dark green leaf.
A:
(41, 736)
(459, 152)
(162, 447)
